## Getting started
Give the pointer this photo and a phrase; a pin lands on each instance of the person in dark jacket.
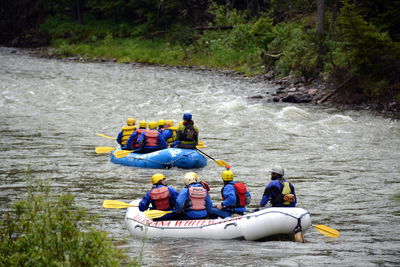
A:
(160, 197)
(279, 192)
(187, 135)
(234, 195)
(193, 200)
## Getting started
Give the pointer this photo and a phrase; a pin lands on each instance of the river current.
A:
(344, 164)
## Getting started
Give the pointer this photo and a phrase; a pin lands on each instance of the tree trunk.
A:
(320, 16)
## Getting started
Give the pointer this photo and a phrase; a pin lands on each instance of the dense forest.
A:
(352, 45)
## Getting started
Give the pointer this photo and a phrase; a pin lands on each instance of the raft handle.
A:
(234, 224)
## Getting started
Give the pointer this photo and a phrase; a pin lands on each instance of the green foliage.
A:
(365, 52)
(226, 16)
(262, 32)
(48, 230)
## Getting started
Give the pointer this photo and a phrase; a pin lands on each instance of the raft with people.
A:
(161, 159)
(261, 225)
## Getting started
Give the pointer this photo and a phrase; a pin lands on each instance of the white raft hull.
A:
(253, 226)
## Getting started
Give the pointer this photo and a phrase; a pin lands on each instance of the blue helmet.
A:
(187, 116)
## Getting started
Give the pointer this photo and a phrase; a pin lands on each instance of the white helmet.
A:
(190, 178)
(278, 170)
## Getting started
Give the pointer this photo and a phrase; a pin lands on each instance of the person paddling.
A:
(193, 200)
(279, 192)
(187, 135)
(126, 132)
(234, 195)
(132, 142)
(151, 140)
(160, 196)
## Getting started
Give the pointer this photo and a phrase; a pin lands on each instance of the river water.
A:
(344, 164)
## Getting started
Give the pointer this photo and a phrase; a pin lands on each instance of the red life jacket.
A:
(139, 132)
(197, 196)
(240, 190)
(151, 137)
(241, 193)
(160, 196)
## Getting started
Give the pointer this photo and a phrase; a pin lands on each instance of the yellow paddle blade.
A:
(153, 214)
(222, 163)
(122, 153)
(104, 149)
(201, 146)
(173, 128)
(115, 204)
(326, 230)
(106, 136)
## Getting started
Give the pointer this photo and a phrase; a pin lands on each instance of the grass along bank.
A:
(158, 51)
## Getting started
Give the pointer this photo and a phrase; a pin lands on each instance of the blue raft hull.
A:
(162, 159)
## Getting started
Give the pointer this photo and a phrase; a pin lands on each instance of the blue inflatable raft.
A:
(164, 159)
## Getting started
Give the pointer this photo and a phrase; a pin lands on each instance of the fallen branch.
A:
(339, 88)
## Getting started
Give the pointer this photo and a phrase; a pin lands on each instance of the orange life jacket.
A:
(160, 196)
(151, 137)
(197, 196)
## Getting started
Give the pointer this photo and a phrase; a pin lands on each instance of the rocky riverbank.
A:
(289, 89)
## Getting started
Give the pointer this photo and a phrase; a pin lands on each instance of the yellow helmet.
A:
(190, 178)
(169, 122)
(157, 178)
(227, 175)
(152, 125)
(142, 124)
(130, 121)
(161, 122)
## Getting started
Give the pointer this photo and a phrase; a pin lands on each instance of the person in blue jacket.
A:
(160, 196)
(193, 200)
(132, 142)
(234, 195)
(279, 192)
(151, 140)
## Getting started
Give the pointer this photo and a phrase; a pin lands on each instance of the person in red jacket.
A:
(160, 196)
(151, 140)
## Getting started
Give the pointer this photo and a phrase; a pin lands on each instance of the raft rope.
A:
(169, 164)
(247, 216)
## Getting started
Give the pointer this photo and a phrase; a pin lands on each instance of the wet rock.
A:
(312, 91)
(256, 97)
(297, 98)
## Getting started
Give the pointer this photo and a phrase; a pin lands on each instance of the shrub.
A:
(48, 230)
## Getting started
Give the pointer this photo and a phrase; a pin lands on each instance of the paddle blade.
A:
(326, 230)
(106, 136)
(122, 153)
(201, 146)
(222, 163)
(115, 204)
(104, 149)
(154, 214)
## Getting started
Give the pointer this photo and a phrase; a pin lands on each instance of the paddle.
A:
(154, 214)
(116, 204)
(104, 149)
(218, 161)
(122, 153)
(326, 230)
(106, 136)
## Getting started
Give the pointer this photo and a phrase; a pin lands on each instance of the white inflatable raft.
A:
(260, 225)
